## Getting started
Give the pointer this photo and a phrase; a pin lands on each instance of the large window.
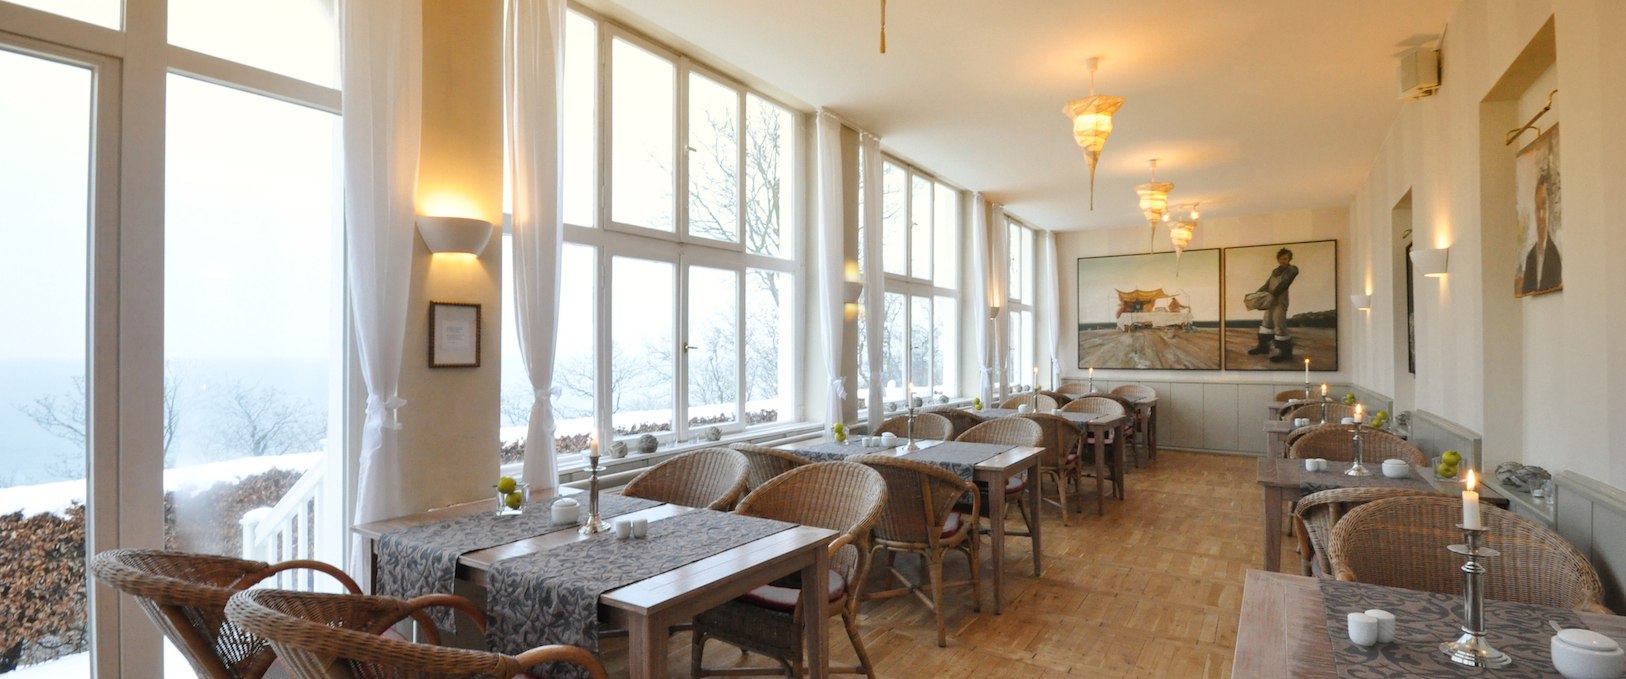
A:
(920, 235)
(697, 320)
(1022, 278)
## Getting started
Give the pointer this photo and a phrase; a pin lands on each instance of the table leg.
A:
(1034, 500)
(1151, 430)
(1273, 529)
(996, 516)
(816, 614)
(1100, 473)
(646, 647)
(1118, 481)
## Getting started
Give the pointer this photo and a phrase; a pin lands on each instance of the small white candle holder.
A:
(1472, 649)
(595, 524)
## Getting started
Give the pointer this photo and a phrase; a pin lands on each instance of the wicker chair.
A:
(713, 478)
(961, 420)
(1099, 403)
(1061, 399)
(928, 426)
(841, 496)
(1399, 541)
(1336, 412)
(1142, 424)
(1060, 460)
(1317, 513)
(1131, 429)
(764, 463)
(336, 636)
(1007, 431)
(1290, 394)
(1296, 434)
(1045, 402)
(1075, 389)
(919, 518)
(185, 595)
(1336, 443)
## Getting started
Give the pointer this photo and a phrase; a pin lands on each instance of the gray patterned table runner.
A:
(551, 597)
(1334, 477)
(1423, 620)
(959, 457)
(423, 559)
(990, 413)
(826, 452)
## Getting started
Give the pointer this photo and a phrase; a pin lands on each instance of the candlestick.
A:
(1092, 379)
(911, 420)
(1035, 388)
(1472, 649)
(1470, 504)
(595, 524)
(1356, 466)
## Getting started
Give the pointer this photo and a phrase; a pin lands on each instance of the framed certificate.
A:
(454, 335)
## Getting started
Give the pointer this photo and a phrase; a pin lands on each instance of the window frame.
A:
(915, 285)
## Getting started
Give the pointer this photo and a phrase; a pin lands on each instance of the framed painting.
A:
(1158, 311)
(454, 335)
(1540, 268)
(1296, 317)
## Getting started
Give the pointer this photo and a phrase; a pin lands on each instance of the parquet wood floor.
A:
(1151, 590)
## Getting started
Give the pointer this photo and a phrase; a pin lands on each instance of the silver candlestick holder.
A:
(912, 447)
(1472, 649)
(595, 524)
(1307, 396)
(1356, 462)
(1324, 402)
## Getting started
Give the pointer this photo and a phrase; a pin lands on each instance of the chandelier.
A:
(1184, 225)
(1154, 199)
(1092, 123)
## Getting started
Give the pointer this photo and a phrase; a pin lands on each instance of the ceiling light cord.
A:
(883, 26)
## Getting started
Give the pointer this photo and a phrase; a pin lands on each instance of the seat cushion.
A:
(951, 525)
(782, 595)
(1015, 484)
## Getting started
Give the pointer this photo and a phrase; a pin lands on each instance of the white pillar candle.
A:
(1035, 378)
(1323, 391)
(1470, 505)
(592, 447)
(1360, 413)
(1306, 371)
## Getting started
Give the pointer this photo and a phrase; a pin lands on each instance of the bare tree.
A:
(260, 420)
(64, 416)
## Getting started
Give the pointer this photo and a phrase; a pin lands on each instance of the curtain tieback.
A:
(388, 409)
(838, 386)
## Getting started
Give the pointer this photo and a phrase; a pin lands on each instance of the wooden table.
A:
(995, 471)
(1274, 409)
(1283, 630)
(1283, 482)
(649, 608)
(1148, 412)
(1096, 428)
(1276, 432)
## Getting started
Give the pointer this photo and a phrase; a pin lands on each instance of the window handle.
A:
(687, 346)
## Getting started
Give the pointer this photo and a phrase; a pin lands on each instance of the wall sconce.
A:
(854, 291)
(993, 312)
(454, 234)
(1431, 263)
(1362, 302)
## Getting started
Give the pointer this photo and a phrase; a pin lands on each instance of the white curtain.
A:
(1052, 309)
(383, 114)
(980, 296)
(831, 260)
(533, 63)
(874, 275)
(999, 275)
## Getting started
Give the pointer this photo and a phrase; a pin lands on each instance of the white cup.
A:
(566, 511)
(1363, 629)
(640, 530)
(1584, 654)
(1301, 422)
(1347, 420)
(1386, 624)
(1321, 464)
(1310, 465)
(1024, 409)
(888, 438)
(623, 529)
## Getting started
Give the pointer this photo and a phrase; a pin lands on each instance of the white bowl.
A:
(1396, 469)
(1585, 654)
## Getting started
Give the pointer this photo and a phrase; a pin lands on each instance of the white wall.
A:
(1534, 375)
(1213, 232)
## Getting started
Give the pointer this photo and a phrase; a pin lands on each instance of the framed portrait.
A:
(454, 335)
(1540, 267)
(1299, 316)
(1158, 311)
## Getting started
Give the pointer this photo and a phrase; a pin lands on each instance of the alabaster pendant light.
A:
(1092, 123)
(1154, 199)
(1184, 226)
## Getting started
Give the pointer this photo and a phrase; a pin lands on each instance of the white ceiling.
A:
(1251, 106)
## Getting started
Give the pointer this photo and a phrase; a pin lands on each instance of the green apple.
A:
(506, 485)
(513, 500)
(1446, 471)
(1451, 457)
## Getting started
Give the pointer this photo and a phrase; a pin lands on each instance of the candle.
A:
(1035, 378)
(1360, 413)
(1092, 372)
(909, 396)
(1323, 391)
(1470, 505)
(592, 447)
(1306, 371)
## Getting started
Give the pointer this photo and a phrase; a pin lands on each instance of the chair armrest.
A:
(841, 541)
(561, 653)
(251, 579)
(431, 632)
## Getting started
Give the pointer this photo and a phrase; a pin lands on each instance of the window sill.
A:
(574, 467)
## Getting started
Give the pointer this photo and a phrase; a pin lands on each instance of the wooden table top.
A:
(1286, 473)
(1283, 629)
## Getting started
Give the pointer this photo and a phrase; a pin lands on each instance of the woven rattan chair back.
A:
(1061, 399)
(1133, 391)
(1096, 403)
(928, 426)
(1045, 402)
(841, 496)
(185, 595)
(711, 478)
(1074, 389)
(1336, 412)
(960, 421)
(919, 498)
(1399, 542)
(337, 636)
(1007, 431)
(1318, 512)
(1059, 437)
(764, 463)
(1288, 395)
(1337, 442)
(1296, 434)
